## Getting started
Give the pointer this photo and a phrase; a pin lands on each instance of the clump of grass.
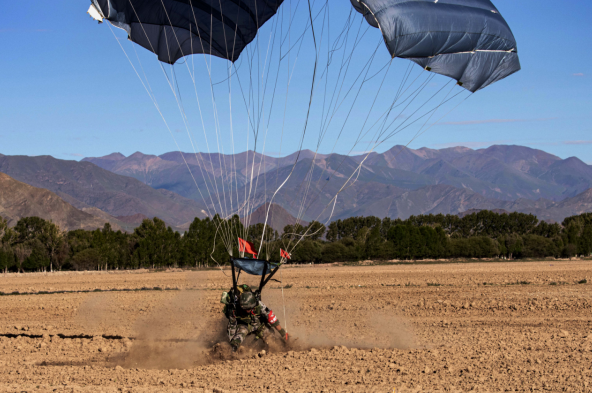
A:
(584, 281)
(434, 284)
(553, 283)
(288, 286)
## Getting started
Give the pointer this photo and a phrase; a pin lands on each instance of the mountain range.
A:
(85, 185)
(397, 183)
(400, 182)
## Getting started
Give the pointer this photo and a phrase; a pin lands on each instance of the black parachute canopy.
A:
(467, 40)
(176, 28)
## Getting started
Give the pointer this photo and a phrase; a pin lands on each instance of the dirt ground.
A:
(390, 328)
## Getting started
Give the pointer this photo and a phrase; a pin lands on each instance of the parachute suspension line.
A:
(397, 96)
(261, 115)
(446, 114)
(327, 118)
(154, 101)
(185, 120)
(433, 111)
(288, 79)
(232, 221)
(344, 75)
(398, 128)
(308, 111)
(182, 156)
(263, 236)
(358, 169)
(223, 166)
(309, 176)
(324, 118)
(419, 133)
(201, 113)
(178, 103)
(403, 81)
(283, 301)
(322, 134)
(316, 56)
(311, 89)
(307, 114)
(179, 150)
(415, 94)
(367, 66)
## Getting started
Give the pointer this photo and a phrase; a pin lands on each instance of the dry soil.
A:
(442, 327)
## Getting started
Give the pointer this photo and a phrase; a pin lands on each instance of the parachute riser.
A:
(234, 279)
(273, 272)
(262, 283)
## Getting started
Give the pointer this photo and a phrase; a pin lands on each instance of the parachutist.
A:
(248, 315)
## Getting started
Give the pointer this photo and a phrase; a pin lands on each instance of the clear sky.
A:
(67, 90)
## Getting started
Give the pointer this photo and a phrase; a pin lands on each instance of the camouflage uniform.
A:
(241, 322)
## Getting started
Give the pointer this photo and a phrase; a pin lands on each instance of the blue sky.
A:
(67, 90)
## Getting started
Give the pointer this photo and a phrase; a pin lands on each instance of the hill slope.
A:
(19, 200)
(84, 185)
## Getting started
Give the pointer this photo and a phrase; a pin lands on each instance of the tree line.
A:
(34, 244)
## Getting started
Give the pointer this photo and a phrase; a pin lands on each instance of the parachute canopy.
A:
(176, 28)
(467, 40)
(256, 267)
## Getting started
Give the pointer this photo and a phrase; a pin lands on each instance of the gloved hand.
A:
(284, 334)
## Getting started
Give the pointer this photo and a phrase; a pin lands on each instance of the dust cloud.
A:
(187, 329)
(310, 328)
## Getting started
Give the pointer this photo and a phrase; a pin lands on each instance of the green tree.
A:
(473, 247)
(585, 241)
(570, 250)
(29, 228)
(308, 251)
(6, 258)
(198, 244)
(375, 247)
(158, 245)
(513, 245)
(536, 246)
(38, 259)
(21, 253)
(88, 259)
(34, 230)
(399, 236)
(343, 250)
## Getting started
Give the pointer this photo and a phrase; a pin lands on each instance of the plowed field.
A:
(442, 327)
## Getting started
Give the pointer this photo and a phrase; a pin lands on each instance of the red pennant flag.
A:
(245, 246)
(285, 254)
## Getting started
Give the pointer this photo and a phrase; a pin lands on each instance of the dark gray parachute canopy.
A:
(176, 28)
(467, 40)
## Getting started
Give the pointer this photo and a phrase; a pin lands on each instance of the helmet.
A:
(247, 300)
